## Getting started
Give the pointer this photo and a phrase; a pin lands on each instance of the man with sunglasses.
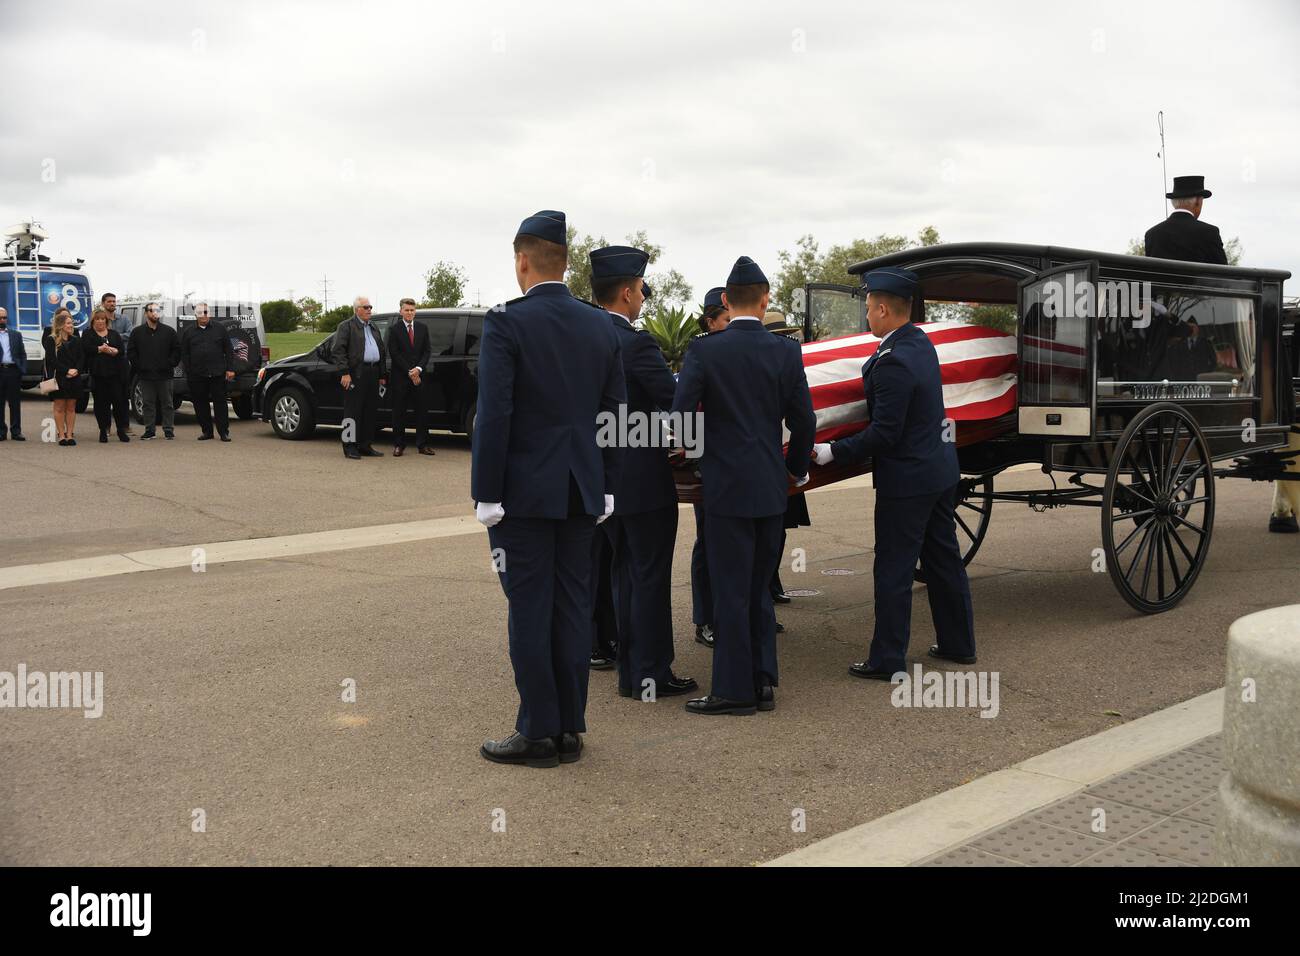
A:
(154, 351)
(359, 351)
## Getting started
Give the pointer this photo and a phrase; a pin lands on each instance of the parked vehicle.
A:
(243, 321)
(297, 393)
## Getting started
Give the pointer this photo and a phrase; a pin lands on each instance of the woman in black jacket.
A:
(105, 354)
(65, 362)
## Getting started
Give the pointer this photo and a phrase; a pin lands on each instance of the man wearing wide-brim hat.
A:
(1183, 235)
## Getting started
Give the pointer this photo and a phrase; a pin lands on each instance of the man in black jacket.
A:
(359, 351)
(409, 352)
(209, 364)
(1183, 236)
(154, 351)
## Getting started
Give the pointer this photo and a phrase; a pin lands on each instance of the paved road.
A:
(223, 688)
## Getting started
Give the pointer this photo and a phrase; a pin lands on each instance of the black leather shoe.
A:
(103, 438)
(766, 699)
(704, 635)
(17, 437)
(955, 658)
(3, 437)
(1276, 524)
(205, 438)
(518, 749)
(676, 685)
(63, 442)
(865, 672)
(600, 663)
(426, 450)
(780, 628)
(398, 451)
(352, 453)
(780, 598)
(371, 453)
(712, 706)
(225, 438)
(123, 437)
(569, 747)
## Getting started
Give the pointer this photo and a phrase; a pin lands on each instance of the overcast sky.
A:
(274, 143)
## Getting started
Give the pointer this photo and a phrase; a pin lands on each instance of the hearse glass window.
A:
(1054, 355)
(1176, 344)
(835, 313)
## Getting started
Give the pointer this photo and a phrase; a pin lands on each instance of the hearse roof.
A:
(1018, 252)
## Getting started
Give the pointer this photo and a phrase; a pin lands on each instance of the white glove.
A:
(488, 513)
(822, 454)
(609, 508)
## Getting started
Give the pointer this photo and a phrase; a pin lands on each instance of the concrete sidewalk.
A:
(1141, 794)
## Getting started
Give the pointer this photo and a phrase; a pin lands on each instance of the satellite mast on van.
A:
(1164, 168)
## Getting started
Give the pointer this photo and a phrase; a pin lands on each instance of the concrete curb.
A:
(959, 815)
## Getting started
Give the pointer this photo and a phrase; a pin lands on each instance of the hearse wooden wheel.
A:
(1158, 508)
(974, 509)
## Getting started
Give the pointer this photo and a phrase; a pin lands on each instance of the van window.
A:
(473, 332)
(442, 333)
(132, 312)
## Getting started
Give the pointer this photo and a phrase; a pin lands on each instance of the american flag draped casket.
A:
(978, 366)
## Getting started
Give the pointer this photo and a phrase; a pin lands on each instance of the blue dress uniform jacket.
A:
(548, 364)
(905, 437)
(915, 473)
(747, 380)
(645, 480)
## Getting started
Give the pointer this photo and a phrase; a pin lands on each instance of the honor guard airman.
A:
(549, 364)
(713, 318)
(914, 466)
(745, 381)
(643, 529)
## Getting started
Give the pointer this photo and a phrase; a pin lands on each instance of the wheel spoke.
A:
(1137, 474)
(1133, 515)
(1167, 475)
(1137, 554)
(1160, 562)
(1191, 559)
(965, 527)
(1184, 521)
(1146, 572)
(1191, 477)
(1132, 534)
(1173, 565)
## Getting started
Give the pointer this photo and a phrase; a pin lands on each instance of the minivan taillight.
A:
(266, 354)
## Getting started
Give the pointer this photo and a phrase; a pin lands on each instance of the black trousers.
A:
(110, 402)
(360, 408)
(643, 570)
(604, 641)
(701, 593)
(208, 395)
(546, 575)
(919, 527)
(404, 392)
(743, 553)
(11, 397)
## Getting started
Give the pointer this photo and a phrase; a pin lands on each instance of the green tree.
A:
(807, 264)
(332, 319)
(671, 290)
(444, 286)
(311, 310)
(1232, 250)
(281, 315)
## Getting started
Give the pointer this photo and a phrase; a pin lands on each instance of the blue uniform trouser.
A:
(743, 553)
(701, 593)
(547, 580)
(643, 570)
(919, 527)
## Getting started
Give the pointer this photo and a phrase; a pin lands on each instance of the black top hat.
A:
(1185, 187)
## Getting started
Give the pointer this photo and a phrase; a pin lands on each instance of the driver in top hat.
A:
(1183, 235)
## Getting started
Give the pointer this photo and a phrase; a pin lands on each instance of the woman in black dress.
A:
(106, 361)
(66, 363)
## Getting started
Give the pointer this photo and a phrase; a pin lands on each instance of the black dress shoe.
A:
(778, 597)
(1276, 524)
(766, 699)
(205, 438)
(704, 635)
(103, 438)
(352, 453)
(867, 673)
(371, 453)
(426, 450)
(780, 628)
(17, 437)
(398, 451)
(601, 663)
(518, 749)
(712, 706)
(123, 437)
(225, 438)
(955, 658)
(71, 442)
(569, 747)
(63, 442)
(676, 685)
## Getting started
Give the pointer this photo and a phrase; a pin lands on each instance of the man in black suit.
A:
(549, 364)
(745, 381)
(1183, 236)
(359, 351)
(409, 352)
(643, 529)
(13, 366)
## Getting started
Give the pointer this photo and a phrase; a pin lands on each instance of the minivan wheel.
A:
(292, 416)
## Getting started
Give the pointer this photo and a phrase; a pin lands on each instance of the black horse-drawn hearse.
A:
(1140, 380)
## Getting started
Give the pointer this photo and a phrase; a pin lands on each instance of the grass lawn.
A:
(284, 344)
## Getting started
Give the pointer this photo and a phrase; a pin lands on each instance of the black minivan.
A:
(298, 393)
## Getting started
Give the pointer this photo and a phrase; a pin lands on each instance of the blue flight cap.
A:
(901, 282)
(547, 224)
(746, 272)
(618, 262)
(714, 297)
